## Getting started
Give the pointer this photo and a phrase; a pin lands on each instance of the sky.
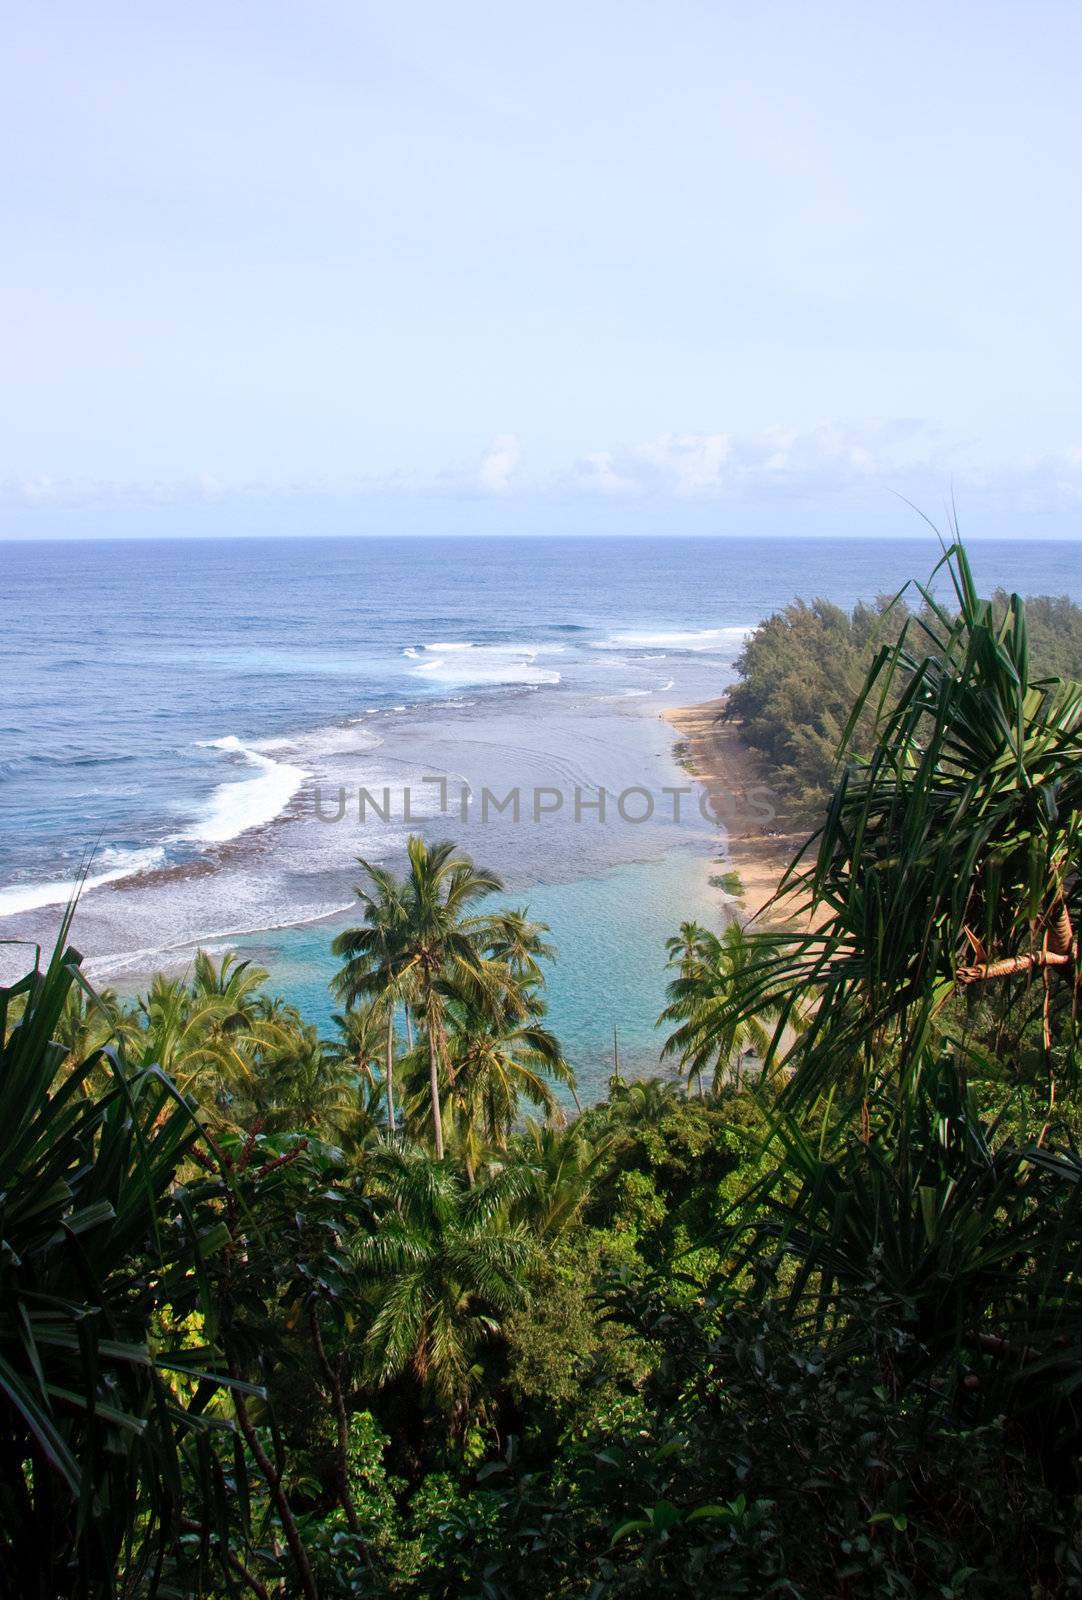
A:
(343, 267)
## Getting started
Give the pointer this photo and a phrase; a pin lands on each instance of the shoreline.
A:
(735, 779)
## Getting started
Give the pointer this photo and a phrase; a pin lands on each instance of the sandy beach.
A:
(759, 849)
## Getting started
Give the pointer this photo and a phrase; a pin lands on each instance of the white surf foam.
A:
(115, 866)
(337, 739)
(233, 808)
(459, 661)
(695, 640)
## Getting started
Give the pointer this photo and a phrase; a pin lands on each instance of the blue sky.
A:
(645, 268)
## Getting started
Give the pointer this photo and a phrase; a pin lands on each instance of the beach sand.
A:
(759, 847)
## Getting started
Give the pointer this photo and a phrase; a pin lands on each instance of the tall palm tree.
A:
(710, 972)
(374, 958)
(441, 946)
(444, 1263)
(682, 951)
(360, 1039)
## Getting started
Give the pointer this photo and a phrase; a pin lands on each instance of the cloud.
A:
(499, 464)
(597, 474)
(690, 463)
(830, 464)
(830, 458)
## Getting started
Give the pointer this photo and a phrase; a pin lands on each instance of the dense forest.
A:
(802, 671)
(386, 1315)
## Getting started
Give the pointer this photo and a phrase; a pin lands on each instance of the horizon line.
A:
(948, 537)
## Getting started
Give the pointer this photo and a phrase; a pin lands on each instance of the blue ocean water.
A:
(190, 713)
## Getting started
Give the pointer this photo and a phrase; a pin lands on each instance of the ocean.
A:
(215, 730)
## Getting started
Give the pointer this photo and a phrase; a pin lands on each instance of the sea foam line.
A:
(233, 808)
(34, 896)
(695, 641)
(459, 661)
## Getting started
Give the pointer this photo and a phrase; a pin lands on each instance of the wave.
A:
(116, 865)
(233, 808)
(32, 760)
(695, 640)
(458, 661)
(335, 739)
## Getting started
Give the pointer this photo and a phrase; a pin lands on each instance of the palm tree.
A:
(682, 950)
(188, 1039)
(236, 984)
(515, 939)
(497, 1060)
(90, 1020)
(374, 959)
(313, 1085)
(563, 1165)
(360, 1041)
(444, 1263)
(212, 1032)
(710, 972)
(638, 1104)
(440, 946)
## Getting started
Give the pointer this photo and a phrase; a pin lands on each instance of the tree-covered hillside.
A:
(802, 669)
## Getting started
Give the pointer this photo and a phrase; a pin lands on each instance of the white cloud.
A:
(828, 464)
(499, 464)
(691, 463)
(833, 457)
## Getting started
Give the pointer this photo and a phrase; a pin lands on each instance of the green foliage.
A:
(802, 670)
(756, 1466)
(948, 860)
(800, 674)
(445, 1261)
(710, 973)
(810, 1331)
(102, 1411)
(471, 981)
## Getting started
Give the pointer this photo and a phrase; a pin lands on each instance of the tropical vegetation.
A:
(389, 1314)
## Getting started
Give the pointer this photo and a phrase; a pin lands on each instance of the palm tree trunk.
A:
(388, 1070)
(409, 1027)
(434, 1088)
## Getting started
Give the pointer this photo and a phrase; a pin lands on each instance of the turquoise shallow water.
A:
(610, 932)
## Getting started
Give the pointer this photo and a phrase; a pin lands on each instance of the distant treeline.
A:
(802, 669)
